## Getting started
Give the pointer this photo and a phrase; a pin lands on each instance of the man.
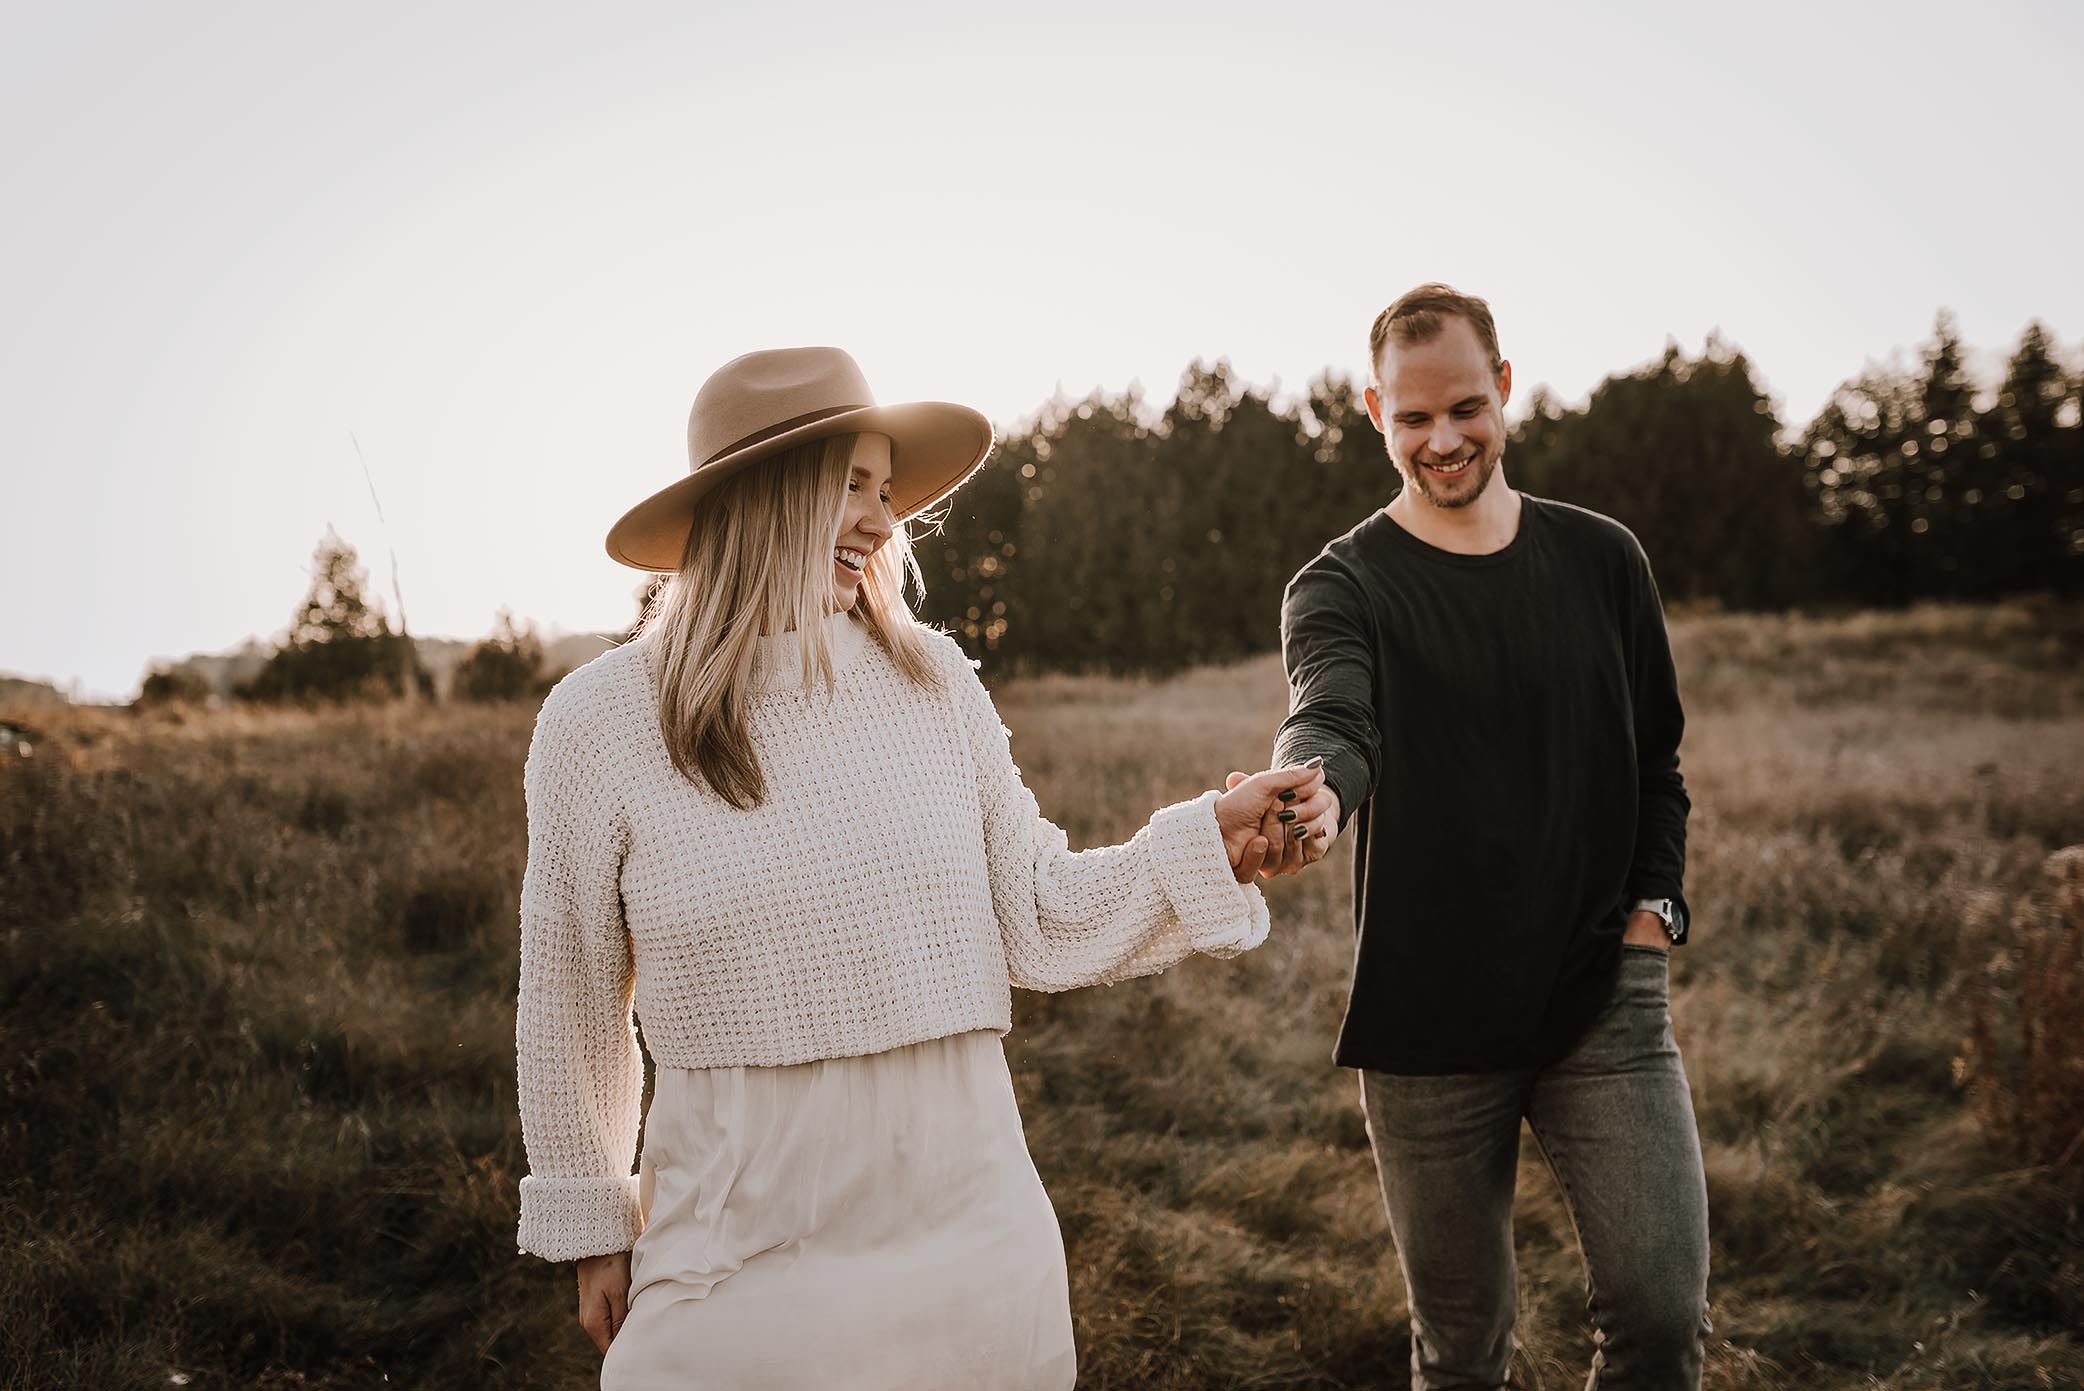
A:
(1487, 678)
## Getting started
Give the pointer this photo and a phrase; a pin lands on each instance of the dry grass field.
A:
(257, 1122)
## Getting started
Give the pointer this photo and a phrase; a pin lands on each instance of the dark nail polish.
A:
(1288, 815)
(1289, 795)
(1317, 762)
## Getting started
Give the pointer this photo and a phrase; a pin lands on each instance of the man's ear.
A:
(1504, 382)
(1374, 407)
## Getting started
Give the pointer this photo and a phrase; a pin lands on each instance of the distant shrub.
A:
(163, 688)
(505, 666)
(2025, 1063)
(340, 670)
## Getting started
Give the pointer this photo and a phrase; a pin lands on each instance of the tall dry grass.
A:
(257, 1121)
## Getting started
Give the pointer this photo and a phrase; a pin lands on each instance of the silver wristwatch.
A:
(1667, 913)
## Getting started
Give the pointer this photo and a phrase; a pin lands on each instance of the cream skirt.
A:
(860, 1222)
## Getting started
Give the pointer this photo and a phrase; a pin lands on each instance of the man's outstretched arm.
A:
(1328, 650)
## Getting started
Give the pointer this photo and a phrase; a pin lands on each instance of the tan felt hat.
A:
(754, 407)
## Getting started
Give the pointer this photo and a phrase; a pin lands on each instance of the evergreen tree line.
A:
(1101, 538)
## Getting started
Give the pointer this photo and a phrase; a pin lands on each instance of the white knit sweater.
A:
(897, 877)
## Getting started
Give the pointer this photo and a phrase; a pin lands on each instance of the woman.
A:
(785, 822)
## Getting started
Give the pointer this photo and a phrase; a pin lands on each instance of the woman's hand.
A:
(604, 1296)
(1253, 813)
(1300, 839)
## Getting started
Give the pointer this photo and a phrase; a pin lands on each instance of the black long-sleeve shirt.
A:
(1502, 732)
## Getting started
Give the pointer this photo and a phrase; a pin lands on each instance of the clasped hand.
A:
(1277, 821)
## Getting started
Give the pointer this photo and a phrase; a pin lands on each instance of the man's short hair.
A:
(1417, 317)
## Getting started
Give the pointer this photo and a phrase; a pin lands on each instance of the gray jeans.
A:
(1614, 1120)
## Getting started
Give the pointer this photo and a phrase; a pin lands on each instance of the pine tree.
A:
(508, 665)
(337, 647)
(334, 609)
(2022, 500)
(1862, 453)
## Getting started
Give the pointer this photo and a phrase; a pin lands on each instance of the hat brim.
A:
(934, 446)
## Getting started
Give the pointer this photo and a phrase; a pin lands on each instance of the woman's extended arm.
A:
(1094, 916)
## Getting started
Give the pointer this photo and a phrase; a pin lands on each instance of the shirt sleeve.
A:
(1329, 654)
(1658, 869)
(1090, 917)
(579, 1071)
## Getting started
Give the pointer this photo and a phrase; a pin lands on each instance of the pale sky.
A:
(502, 245)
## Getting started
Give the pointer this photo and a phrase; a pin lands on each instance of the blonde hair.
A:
(758, 560)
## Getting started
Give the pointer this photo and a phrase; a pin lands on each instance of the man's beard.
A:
(1451, 492)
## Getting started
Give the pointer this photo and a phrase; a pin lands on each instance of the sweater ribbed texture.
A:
(897, 879)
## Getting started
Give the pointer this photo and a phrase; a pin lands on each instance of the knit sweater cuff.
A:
(567, 1219)
(1221, 916)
